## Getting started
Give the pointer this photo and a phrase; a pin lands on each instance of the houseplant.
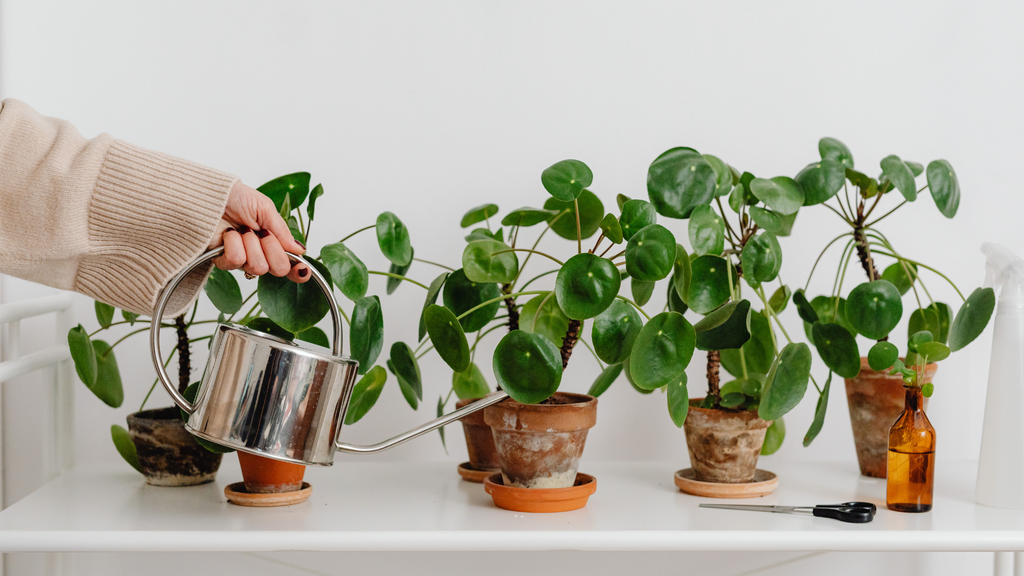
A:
(873, 308)
(282, 308)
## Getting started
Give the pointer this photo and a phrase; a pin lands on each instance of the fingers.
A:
(255, 261)
(234, 251)
(277, 260)
(270, 220)
(299, 273)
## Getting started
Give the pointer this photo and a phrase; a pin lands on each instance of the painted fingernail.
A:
(303, 272)
(229, 229)
(263, 232)
(244, 230)
(294, 264)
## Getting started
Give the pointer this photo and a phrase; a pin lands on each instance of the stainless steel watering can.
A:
(283, 400)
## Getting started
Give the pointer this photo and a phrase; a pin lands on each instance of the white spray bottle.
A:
(1001, 466)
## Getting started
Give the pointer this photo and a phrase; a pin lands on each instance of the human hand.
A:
(255, 237)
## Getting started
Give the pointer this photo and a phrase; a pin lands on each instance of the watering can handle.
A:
(165, 296)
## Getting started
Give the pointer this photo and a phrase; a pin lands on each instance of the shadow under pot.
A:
(876, 400)
(540, 445)
(483, 456)
(724, 444)
(168, 454)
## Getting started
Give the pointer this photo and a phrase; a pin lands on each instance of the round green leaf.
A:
(680, 180)
(707, 231)
(821, 181)
(761, 258)
(972, 318)
(347, 270)
(526, 217)
(924, 319)
(636, 215)
(394, 281)
(900, 175)
(662, 350)
(832, 149)
(611, 229)
(605, 380)
(447, 336)
(223, 291)
(565, 180)
(918, 338)
(125, 447)
(651, 253)
(317, 192)
(365, 394)
(541, 315)
(826, 311)
(642, 290)
(678, 400)
(478, 214)
(489, 261)
(945, 316)
(268, 326)
(933, 351)
(874, 308)
(945, 187)
(432, 292)
(766, 219)
(295, 307)
(294, 186)
(709, 284)
(725, 328)
(462, 294)
(591, 213)
(782, 194)
(838, 349)
(528, 366)
(481, 234)
(586, 285)
(773, 437)
(470, 383)
(108, 386)
(83, 354)
(786, 382)
(723, 175)
(405, 368)
(366, 336)
(882, 356)
(614, 332)
(758, 352)
(105, 312)
(779, 299)
(314, 335)
(393, 239)
(897, 274)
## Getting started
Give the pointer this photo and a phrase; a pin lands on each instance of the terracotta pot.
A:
(268, 476)
(539, 445)
(876, 399)
(479, 440)
(169, 455)
(724, 444)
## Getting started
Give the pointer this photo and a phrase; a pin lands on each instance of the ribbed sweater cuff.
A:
(150, 216)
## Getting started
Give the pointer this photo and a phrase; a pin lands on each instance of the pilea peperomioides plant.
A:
(874, 308)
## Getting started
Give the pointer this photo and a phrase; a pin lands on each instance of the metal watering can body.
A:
(274, 398)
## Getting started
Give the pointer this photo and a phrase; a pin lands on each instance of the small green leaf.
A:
(482, 234)
(882, 356)
(526, 217)
(222, 289)
(678, 400)
(432, 292)
(365, 394)
(773, 437)
(804, 308)
(782, 194)
(787, 224)
(268, 326)
(478, 214)
(766, 219)
(317, 192)
(918, 338)
(874, 308)
(762, 259)
(837, 348)
(295, 307)
(723, 175)
(586, 285)
(125, 447)
(129, 317)
(779, 299)
(393, 239)
(462, 294)
(397, 270)
(820, 181)
(108, 386)
(528, 366)
(828, 311)
(972, 318)
(945, 187)
(366, 336)
(636, 215)
(565, 180)
(642, 290)
(605, 380)
(470, 383)
(928, 389)
(314, 335)
(83, 354)
(819, 413)
(786, 382)
(924, 319)
(105, 312)
(611, 228)
(707, 231)
(758, 352)
(620, 200)
(615, 331)
(294, 187)
(832, 149)
(405, 368)
(650, 253)
(591, 214)
(447, 336)
(662, 350)
(900, 175)
(898, 274)
(541, 315)
(709, 283)
(489, 261)
(725, 328)
(933, 351)
(347, 270)
(680, 180)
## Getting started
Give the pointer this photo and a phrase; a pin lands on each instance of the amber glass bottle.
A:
(911, 473)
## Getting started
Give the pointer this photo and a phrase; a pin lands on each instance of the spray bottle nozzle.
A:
(1004, 272)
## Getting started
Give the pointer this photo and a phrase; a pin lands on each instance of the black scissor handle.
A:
(874, 509)
(852, 512)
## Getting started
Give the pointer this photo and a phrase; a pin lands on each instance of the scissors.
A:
(853, 512)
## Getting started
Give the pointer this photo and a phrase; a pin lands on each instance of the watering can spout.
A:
(425, 428)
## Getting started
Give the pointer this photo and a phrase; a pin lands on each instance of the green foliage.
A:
(366, 337)
(565, 180)
(295, 307)
(972, 318)
(636, 215)
(489, 261)
(478, 214)
(365, 394)
(678, 400)
(528, 366)
(347, 270)
(105, 312)
(650, 253)
(786, 382)
(725, 328)
(461, 295)
(591, 213)
(680, 180)
(125, 447)
(882, 356)
(615, 331)
(447, 336)
(837, 348)
(611, 228)
(874, 308)
(293, 187)
(470, 383)
(773, 437)
(707, 231)
(586, 285)
(526, 217)
(832, 149)
(819, 413)
(944, 186)
(821, 181)
(709, 283)
(222, 289)
(900, 175)
(541, 315)
(662, 350)
(605, 380)
(407, 371)
(393, 239)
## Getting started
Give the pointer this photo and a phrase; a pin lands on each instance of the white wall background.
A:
(428, 109)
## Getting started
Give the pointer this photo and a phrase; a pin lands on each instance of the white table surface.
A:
(376, 506)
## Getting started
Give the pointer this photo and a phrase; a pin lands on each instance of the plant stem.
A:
(424, 353)
(635, 305)
(560, 263)
(612, 258)
(592, 351)
(480, 335)
(513, 312)
(606, 250)
(880, 218)
(827, 246)
(533, 325)
(399, 276)
(434, 263)
(925, 266)
(536, 243)
(98, 330)
(157, 381)
(598, 243)
(498, 299)
(530, 281)
(247, 298)
(357, 232)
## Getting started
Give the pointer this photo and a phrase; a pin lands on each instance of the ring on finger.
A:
(249, 276)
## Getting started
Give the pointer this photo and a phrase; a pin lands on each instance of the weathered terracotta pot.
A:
(876, 399)
(539, 445)
(724, 444)
(479, 439)
(169, 455)
(268, 476)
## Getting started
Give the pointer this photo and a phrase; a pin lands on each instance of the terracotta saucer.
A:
(237, 494)
(764, 483)
(471, 474)
(541, 499)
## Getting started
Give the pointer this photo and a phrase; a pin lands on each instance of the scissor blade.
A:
(750, 508)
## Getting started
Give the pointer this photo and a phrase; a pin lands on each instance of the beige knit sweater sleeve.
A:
(101, 217)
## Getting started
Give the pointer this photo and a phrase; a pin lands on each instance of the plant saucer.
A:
(764, 483)
(237, 494)
(470, 473)
(541, 499)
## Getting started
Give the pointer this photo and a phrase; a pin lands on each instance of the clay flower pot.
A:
(168, 454)
(268, 476)
(876, 400)
(479, 440)
(539, 445)
(724, 444)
